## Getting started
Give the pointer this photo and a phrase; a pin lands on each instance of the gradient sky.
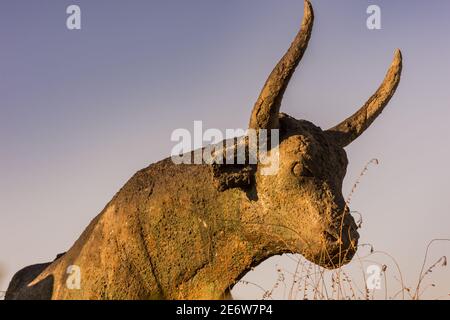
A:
(81, 111)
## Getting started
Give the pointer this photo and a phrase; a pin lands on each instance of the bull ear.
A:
(266, 109)
(350, 129)
(228, 171)
(233, 176)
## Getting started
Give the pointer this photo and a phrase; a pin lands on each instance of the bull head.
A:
(306, 193)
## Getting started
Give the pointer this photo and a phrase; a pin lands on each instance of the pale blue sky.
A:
(81, 111)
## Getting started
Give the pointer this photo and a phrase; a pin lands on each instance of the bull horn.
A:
(353, 127)
(265, 111)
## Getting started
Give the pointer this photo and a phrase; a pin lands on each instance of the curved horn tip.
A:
(351, 128)
(398, 56)
(266, 109)
(308, 8)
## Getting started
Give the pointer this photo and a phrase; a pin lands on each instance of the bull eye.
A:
(299, 170)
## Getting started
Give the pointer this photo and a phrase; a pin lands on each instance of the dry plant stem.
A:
(294, 280)
(422, 275)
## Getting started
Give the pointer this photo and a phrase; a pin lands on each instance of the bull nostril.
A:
(355, 234)
(330, 237)
(353, 230)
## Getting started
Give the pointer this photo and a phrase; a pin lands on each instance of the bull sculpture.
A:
(186, 231)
